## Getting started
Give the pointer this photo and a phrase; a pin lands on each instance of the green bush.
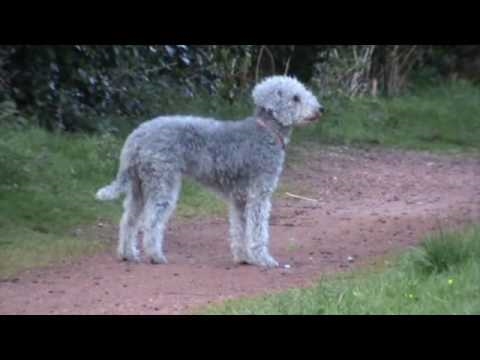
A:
(82, 87)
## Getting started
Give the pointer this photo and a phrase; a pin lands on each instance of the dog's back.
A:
(219, 154)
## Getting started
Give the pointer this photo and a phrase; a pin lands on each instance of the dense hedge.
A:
(65, 87)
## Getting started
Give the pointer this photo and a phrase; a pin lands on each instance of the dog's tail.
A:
(114, 190)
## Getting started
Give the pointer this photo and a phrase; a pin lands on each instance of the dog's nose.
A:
(321, 110)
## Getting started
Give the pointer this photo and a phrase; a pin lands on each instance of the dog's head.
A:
(287, 100)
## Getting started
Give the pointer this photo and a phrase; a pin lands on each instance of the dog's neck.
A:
(266, 120)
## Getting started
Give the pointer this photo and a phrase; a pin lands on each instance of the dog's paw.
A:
(128, 257)
(240, 257)
(265, 261)
(158, 259)
(268, 262)
(261, 257)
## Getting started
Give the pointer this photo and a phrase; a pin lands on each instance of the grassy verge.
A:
(47, 183)
(440, 277)
(443, 118)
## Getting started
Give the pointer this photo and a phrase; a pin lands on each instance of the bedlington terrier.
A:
(239, 160)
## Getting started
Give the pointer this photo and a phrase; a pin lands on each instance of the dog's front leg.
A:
(257, 231)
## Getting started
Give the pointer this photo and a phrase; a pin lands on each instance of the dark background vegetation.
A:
(107, 88)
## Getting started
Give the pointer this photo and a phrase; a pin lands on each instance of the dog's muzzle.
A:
(316, 116)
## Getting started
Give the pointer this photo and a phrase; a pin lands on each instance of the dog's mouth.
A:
(312, 119)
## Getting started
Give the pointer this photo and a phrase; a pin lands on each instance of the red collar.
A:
(278, 136)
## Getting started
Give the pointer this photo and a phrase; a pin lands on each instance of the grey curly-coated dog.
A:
(239, 160)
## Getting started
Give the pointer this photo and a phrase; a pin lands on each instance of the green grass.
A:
(442, 118)
(442, 276)
(48, 180)
(25, 248)
(47, 184)
(196, 201)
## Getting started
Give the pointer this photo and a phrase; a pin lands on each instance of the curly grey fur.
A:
(239, 160)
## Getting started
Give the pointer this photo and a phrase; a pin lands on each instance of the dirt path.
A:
(370, 203)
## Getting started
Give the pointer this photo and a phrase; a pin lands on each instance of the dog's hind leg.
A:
(130, 223)
(160, 203)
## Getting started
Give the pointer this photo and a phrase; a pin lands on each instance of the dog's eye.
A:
(296, 98)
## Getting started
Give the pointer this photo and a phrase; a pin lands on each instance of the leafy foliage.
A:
(81, 87)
